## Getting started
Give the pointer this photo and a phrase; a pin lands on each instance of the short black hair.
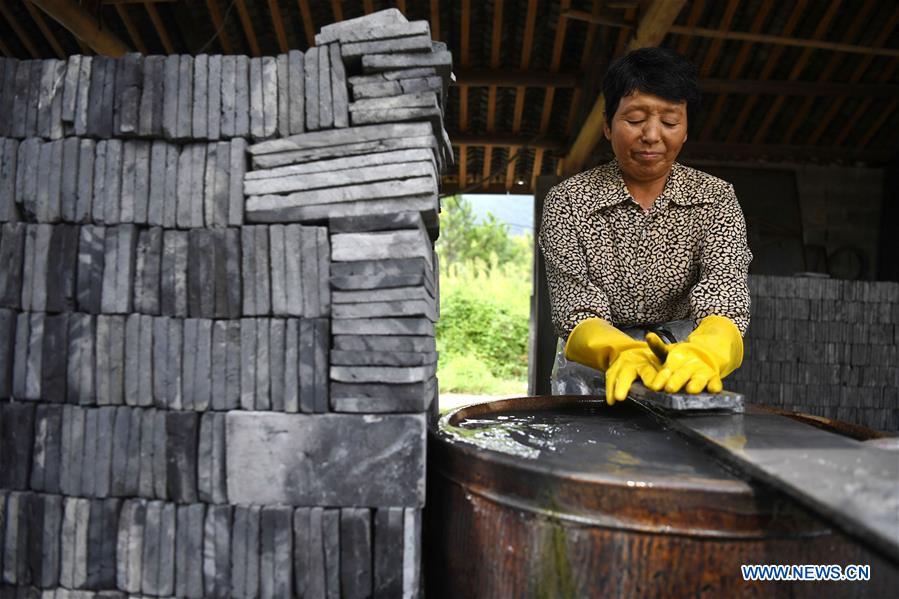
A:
(657, 71)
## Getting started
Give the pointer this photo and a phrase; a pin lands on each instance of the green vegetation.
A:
(485, 288)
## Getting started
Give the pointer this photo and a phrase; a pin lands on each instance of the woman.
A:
(644, 240)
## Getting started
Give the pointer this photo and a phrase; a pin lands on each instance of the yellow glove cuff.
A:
(596, 343)
(719, 342)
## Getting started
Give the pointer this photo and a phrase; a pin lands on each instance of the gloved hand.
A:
(710, 353)
(597, 344)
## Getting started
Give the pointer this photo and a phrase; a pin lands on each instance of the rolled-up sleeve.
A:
(723, 286)
(573, 297)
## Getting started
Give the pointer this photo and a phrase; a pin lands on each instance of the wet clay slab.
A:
(592, 438)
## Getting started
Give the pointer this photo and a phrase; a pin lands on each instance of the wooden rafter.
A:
(503, 140)
(435, 19)
(465, 41)
(832, 64)
(5, 49)
(337, 10)
(369, 7)
(555, 62)
(17, 28)
(527, 46)
(247, 23)
(495, 45)
(695, 12)
(133, 32)
(885, 75)
(650, 32)
(82, 25)
(624, 34)
(795, 72)
(278, 24)
(588, 58)
(875, 127)
(856, 76)
(308, 25)
(784, 41)
(770, 64)
(161, 31)
(736, 69)
(519, 78)
(45, 31)
(218, 23)
(711, 54)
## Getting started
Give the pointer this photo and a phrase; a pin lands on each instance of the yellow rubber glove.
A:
(597, 344)
(710, 353)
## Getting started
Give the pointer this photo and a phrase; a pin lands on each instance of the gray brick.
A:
(263, 449)
(200, 104)
(183, 127)
(340, 101)
(296, 90)
(269, 96)
(214, 98)
(311, 88)
(248, 363)
(229, 95)
(309, 552)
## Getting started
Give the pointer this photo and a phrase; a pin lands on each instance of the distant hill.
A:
(517, 211)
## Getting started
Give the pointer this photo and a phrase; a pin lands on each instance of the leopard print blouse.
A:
(687, 257)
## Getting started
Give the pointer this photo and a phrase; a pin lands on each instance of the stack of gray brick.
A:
(825, 347)
(217, 304)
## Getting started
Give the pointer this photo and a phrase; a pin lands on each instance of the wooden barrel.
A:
(568, 497)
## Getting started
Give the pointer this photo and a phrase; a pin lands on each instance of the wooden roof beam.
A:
(652, 29)
(247, 23)
(736, 69)
(857, 73)
(5, 49)
(218, 22)
(308, 25)
(527, 45)
(520, 78)
(832, 64)
(495, 44)
(161, 31)
(337, 10)
(465, 41)
(133, 32)
(503, 140)
(278, 24)
(798, 66)
(83, 26)
(770, 65)
(435, 19)
(17, 28)
(45, 31)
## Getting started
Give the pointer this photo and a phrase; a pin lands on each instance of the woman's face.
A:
(647, 133)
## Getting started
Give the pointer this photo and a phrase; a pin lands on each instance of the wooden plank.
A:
(308, 25)
(400, 4)
(495, 45)
(435, 19)
(83, 26)
(875, 127)
(278, 24)
(695, 12)
(652, 29)
(337, 10)
(863, 108)
(5, 49)
(160, 27)
(527, 47)
(857, 73)
(776, 40)
(133, 32)
(798, 66)
(465, 42)
(17, 29)
(45, 31)
(515, 78)
(247, 23)
(500, 140)
(812, 89)
(770, 64)
(711, 55)
(588, 57)
(735, 69)
(829, 69)
(218, 23)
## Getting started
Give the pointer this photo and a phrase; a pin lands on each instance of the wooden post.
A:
(542, 342)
